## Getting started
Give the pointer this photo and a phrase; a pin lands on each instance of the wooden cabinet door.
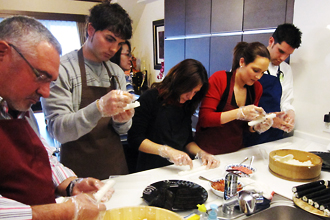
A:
(175, 18)
(262, 38)
(263, 14)
(227, 15)
(199, 49)
(221, 52)
(174, 53)
(198, 16)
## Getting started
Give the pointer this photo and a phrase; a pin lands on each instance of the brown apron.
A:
(99, 153)
(226, 138)
(25, 173)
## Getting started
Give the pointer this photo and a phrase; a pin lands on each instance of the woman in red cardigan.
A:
(232, 100)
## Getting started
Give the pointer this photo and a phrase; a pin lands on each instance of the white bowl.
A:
(219, 192)
(233, 166)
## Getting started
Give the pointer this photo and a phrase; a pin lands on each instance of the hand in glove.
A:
(263, 126)
(175, 156)
(289, 118)
(250, 112)
(90, 185)
(124, 116)
(284, 121)
(207, 159)
(86, 207)
(113, 102)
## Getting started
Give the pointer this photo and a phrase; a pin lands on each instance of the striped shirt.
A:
(10, 209)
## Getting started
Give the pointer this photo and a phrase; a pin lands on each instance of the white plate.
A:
(232, 166)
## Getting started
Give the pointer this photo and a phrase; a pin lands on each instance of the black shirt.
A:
(163, 124)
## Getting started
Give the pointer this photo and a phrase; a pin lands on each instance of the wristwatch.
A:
(69, 188)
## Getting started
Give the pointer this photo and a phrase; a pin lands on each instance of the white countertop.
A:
(129, 188)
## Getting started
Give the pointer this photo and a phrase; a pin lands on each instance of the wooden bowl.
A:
(295, 172)
(141, 213)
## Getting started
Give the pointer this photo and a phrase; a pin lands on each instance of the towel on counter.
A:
(258, 187)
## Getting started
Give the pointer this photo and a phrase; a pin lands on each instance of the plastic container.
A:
(213, 213)
(202, 212)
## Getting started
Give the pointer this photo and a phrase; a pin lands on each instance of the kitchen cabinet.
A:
(199, 29)
(174, 50)
(221, 52)
(263, 14)
(198, 16)
(175, 19)
(226, 16)
(198, 49)
(262, 38)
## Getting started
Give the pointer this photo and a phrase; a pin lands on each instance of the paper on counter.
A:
(257, 121)
(250, 184)
(193, 170)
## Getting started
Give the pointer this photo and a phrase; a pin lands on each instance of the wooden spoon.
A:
(203, 178)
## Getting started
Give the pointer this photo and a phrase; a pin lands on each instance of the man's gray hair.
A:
(26, 33)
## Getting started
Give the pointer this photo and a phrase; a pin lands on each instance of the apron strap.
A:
(113, 78)
(279, 73)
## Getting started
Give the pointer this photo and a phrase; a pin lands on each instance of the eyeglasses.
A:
(41, 77)
(127, 54)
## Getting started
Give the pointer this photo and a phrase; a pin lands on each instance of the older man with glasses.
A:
(42, 77)
(31, 177)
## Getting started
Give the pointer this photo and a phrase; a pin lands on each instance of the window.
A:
(66, 32)
(70, 40)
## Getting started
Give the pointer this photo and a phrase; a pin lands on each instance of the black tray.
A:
(325, 159)
(175, 195)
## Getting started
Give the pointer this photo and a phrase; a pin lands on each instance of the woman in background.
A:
(123, 58)
(161, 127)
(232, 100)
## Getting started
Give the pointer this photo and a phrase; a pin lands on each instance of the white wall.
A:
(311, 66)
(143, 36)
(51, 6)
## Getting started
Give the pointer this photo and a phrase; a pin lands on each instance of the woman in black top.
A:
(161, 128)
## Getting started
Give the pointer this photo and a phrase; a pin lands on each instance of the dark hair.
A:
(116, 58)
(288, 33)
(111, 17)
(248, 51)
(182, 78)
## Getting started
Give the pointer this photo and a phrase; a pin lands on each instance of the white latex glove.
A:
(90, 185)
(263, 126)
(124, 116)
(250, 112)
(284, 121)
(289, 118)
(207, 159)
(87, 208)
(175, 156)
(114, 102)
